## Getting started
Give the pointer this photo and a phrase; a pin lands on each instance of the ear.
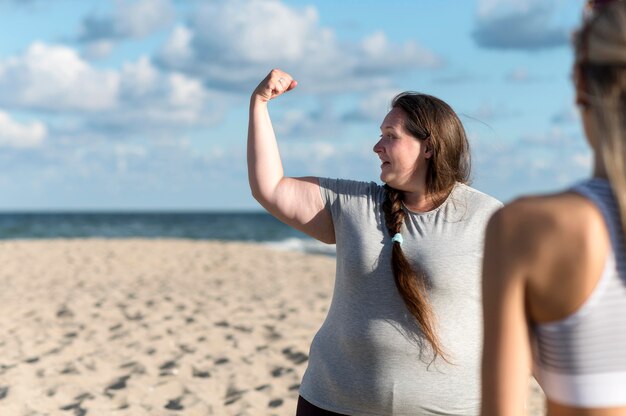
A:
(428, 148)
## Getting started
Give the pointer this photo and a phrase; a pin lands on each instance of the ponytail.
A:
(601, 58)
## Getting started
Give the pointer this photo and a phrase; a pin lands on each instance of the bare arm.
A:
(295, 201)
(506, 354)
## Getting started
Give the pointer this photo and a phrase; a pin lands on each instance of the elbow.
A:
(264, 192)
(258, 196)
(255, 189)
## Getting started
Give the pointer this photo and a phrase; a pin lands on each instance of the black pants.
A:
(307, 409)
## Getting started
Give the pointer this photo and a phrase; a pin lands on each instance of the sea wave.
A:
(303, 245)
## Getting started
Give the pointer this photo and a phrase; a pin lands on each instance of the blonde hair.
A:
(601, 58)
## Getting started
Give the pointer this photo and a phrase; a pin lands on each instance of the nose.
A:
(378, 147)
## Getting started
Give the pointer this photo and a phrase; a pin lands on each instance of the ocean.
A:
(255, 227)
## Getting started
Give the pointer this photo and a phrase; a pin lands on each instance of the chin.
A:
(388, 182)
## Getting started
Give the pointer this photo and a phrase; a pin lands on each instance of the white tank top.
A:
(580, 360)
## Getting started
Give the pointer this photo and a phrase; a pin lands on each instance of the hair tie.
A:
(397, 238)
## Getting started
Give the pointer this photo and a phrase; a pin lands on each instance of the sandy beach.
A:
(158, 327)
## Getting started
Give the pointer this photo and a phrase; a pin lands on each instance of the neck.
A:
(420, 201)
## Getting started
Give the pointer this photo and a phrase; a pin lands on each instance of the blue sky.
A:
(132, 105)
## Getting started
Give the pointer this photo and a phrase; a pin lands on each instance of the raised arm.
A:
(506, 354)
(295, 201)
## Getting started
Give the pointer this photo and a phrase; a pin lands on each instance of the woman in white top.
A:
(403, 332)
(554, 279)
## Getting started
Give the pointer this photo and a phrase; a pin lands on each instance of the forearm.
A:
(505, 379)
(265, 169)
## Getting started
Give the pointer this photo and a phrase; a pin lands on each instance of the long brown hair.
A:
(601, 63)
(426, 117)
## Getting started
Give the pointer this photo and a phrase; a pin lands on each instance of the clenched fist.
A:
(274, 84)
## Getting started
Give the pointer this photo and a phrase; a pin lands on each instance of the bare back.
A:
(544, 258)
(567, 248)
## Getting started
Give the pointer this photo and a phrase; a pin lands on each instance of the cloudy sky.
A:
(142, 104)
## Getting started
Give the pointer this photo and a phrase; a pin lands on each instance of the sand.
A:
(158, 327)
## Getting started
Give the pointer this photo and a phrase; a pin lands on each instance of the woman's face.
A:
(404, 158)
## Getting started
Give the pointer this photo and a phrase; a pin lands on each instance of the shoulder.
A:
(562, 211)
(479, 204)
(347, 186)
(541, 227)
(477, 197)
(349, 193)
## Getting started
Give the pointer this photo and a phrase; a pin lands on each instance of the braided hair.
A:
(427, 117)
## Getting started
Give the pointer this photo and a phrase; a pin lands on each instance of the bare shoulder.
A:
(535, 230)
(540, 217)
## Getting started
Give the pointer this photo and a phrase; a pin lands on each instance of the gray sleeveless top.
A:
(581, 360)
(369, 357)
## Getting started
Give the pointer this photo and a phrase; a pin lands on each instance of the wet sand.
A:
(158, 327)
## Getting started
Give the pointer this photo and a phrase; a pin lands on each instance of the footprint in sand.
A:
(275, 403)
(295, 357)
(174, 404)
(168, 368)
(200, 373)
(279, 371)
(119, 384)
(233, 394)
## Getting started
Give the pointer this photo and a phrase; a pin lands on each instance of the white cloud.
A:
(546, 161)
(524, 25)
(124, 153)
(299, 123)
(142, 17)
(138, 96)
(246, 38)
(490, 8)
(185, 91)
(150, 98)
(55, 78)
(177, 49)
(98, 49)
(378, 52)
(138, 78)
(256, 30)
(161, 96)
(131, 19)
(374, 106)
(18, 135)
(331, 159)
